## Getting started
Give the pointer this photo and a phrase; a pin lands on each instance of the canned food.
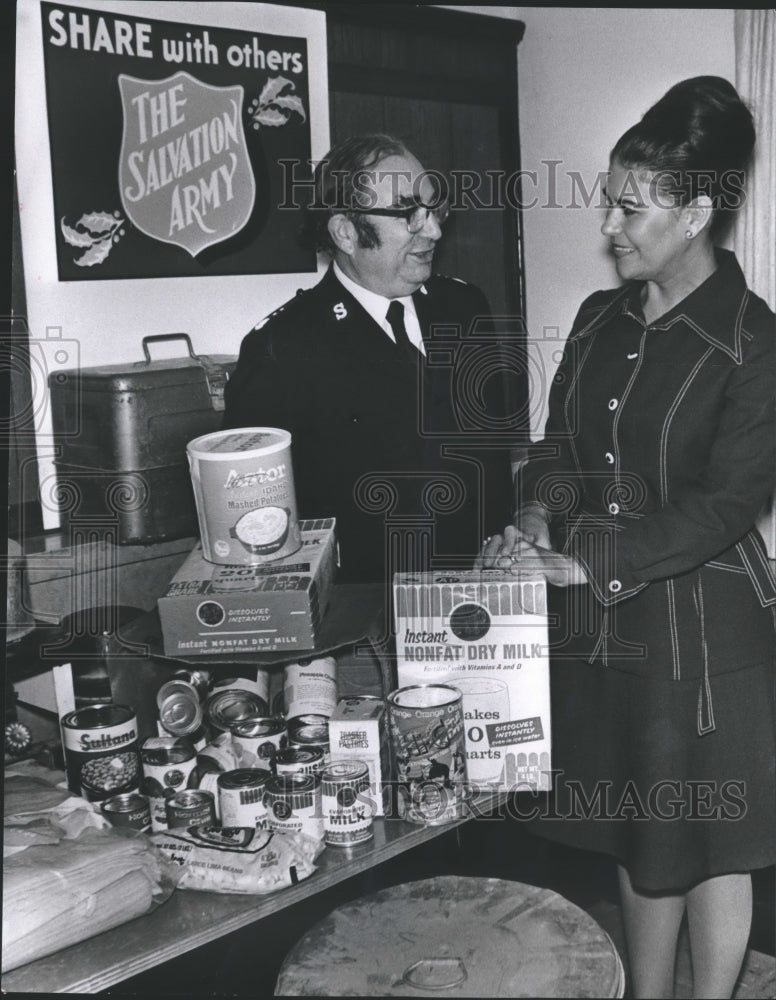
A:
(346, 803)
(241, 797)
(193, 807)
(200, 680)
(257, 741)
(308, 720)
(130, 811)
(229, 706)
(218, 755)
(238, 684)
(177, 685)
(299, 760)
(427, 736)
(293, 803)
(244, 490)
(310, 687)
(180, 713)
(101, 751)
(208, 782)
(169, 766)
(310, 736)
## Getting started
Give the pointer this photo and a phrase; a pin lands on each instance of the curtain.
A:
(754, 237)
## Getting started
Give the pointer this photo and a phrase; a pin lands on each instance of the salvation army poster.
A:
(170, 145)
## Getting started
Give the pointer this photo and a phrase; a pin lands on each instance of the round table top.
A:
(455, 936)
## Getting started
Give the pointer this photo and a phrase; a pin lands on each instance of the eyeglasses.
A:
(415, 215)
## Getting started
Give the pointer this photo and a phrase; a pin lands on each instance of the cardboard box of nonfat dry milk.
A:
(210, 608)
(485, 633)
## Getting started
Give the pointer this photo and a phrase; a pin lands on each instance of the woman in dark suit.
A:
(639, 507)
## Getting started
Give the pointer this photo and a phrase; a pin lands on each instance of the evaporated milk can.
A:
(241, 797)
(293, 803)
(257, 741)
(346, 803)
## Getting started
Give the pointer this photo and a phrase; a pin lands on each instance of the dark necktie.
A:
(395, 317)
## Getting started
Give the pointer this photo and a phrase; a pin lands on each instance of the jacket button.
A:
(613, 404)
(614, 508)
(615, 586)
(609, 458)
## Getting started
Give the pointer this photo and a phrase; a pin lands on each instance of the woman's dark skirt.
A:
(633, 779)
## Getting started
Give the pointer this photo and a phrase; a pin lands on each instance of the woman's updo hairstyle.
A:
(697, 140)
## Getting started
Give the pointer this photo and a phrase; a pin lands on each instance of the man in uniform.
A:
(392, 413)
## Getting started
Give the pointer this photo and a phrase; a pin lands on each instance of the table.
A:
(190, 919)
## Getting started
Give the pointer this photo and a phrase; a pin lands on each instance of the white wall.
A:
(585, 74)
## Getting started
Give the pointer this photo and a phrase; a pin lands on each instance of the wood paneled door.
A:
(446, 83)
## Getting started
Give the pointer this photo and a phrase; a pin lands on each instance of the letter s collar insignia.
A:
(340, 311)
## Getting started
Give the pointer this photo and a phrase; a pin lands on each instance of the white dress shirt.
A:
(377, 307)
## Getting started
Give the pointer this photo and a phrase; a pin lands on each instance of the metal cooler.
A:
(121, 433)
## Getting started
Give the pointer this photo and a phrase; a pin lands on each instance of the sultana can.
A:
(101, 751)
(241, 797)
(346, 803)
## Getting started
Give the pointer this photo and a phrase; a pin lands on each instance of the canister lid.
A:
(353, 774)
(179, 714)
(244, 441)
(295, 790)
(228, 707)
(176, 685)
(269, 726)
(243, 777)
(298, 755)
(316, 735)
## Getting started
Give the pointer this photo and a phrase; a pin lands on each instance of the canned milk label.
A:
(346, 803)
(293, 803)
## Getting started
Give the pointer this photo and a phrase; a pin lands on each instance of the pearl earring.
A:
(689, 234)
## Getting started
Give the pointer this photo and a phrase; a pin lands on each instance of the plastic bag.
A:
(55, 895)
(238, 859)
(38, 811)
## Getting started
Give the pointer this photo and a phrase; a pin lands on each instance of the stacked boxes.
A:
(484, 632)
(210, 608)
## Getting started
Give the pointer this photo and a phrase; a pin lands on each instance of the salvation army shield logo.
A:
(184, 174)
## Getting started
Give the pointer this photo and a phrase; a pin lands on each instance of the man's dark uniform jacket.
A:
(381, 442)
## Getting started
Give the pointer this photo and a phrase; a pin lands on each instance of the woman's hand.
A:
(531, 525)
(521, 553)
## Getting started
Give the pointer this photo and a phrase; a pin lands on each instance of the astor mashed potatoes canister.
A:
(244, 488)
